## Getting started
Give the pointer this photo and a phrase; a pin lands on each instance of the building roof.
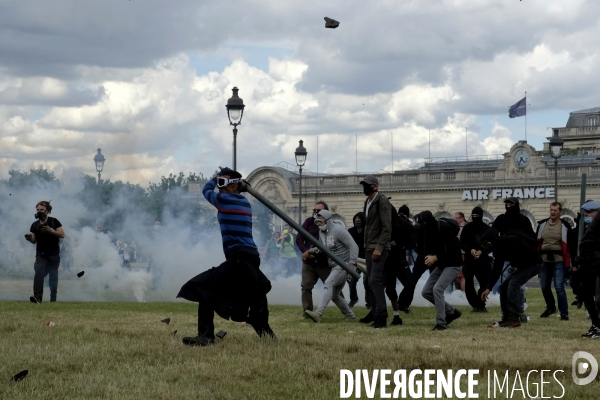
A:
(593, 110)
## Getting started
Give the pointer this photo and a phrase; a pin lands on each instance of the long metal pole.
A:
(235, 147)
(525, 115)
(98, 178)
(392, 138)
(356, 153)
(300, 206)
(245, 187)
(581, 222)
(556, 179)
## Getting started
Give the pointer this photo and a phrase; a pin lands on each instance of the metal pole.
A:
(98, 178)
(300, 207)
(525, 115)
(235, 147)
(245, 187)
(556, 179)
(581, 222)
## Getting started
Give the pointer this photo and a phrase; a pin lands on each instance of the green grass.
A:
(123, 351)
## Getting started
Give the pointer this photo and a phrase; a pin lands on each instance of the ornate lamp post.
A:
(235, 112)
(300, 161)
(556, 145)
(99, 160)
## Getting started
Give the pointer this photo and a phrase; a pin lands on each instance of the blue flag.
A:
(519, 109)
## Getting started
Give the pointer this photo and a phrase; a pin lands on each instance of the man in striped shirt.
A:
(236, 289)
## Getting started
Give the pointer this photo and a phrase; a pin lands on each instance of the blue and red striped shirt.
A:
(235, 218)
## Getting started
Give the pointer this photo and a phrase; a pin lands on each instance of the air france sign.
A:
(522, 193)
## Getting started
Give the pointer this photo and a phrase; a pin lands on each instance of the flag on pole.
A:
(518, 109)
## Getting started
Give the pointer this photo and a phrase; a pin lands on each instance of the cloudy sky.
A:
(148, 80)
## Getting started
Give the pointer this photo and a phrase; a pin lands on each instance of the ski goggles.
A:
(222, 182)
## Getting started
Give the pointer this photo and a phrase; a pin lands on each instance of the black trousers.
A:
(396, 267)
(510, 292)
(353, 292)
(43, 266)
(235, 290)
(480, 269)
(587, 291)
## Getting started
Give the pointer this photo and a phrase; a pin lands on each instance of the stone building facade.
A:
(446, 186)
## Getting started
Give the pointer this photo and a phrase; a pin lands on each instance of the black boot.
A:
(380, 322)
(369, 318)
(397, 320)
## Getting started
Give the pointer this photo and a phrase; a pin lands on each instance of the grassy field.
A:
(123, 351)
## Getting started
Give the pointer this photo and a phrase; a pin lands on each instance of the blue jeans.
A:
(556, 270)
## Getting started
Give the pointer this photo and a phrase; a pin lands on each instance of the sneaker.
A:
(564, 317)
(523, 318)
(352, 303)
(406, 310)
(509, 324)
(351, 316)
(368, 318)
(495, 324)
(315, 316)
(593, 333)
(34, 299)
(452, 317)
(548, 313)
(479, 310)
(439, 327)
(396, 321)
(380, 323)
(199, 340)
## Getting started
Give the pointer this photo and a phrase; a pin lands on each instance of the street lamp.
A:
(99, 160)
(235, 112)
(300, 161)
(556, 145)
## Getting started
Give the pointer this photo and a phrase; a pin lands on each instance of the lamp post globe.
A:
(556, 146)
(99, 161)
(300, 161)
(235, 112)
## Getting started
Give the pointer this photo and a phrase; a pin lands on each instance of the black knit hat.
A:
(404, 210)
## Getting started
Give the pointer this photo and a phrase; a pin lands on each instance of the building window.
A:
(571, 171)
(412, 177)
(327, 181)
(592, 120)
(340, 180)
(489, 174)
(396, 178)
(435, 177)
(449, 176)
(473, 174)
(595, 170)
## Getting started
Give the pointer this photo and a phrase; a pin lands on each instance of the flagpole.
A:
(526, 116)
(392, 138)
(356, 154)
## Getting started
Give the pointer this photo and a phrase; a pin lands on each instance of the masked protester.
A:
(444, 259)
(339, 241)
(313, 268)
(45, 234)
(512, 221)
(587, 266)
(521, 256)
(236, 289)
(357, 234)
(589, 209)
(378, 236)
(553, 235)
(477, 262)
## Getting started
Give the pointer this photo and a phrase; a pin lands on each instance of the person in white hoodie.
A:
(337, 239)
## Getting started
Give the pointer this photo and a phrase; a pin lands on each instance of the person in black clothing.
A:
(45, 234)
(521, 255)
(444, 258)
(513, 221)
(396, 267)
(359, 237)
(588, 270)
(477, 262)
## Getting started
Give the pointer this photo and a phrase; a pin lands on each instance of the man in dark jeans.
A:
(45, 234)
(378, 236)
(477, 262)
(236, 289)
(519, 254)
(313, 269)
(357, 233)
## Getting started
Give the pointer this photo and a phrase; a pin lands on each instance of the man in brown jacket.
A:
(378, 236)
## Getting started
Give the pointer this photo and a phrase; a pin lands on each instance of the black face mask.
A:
(40, 215)
(358, 223)
(514, 210)
(368, 190)
(477, 220)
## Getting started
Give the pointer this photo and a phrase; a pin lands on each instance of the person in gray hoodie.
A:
(340, 242)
